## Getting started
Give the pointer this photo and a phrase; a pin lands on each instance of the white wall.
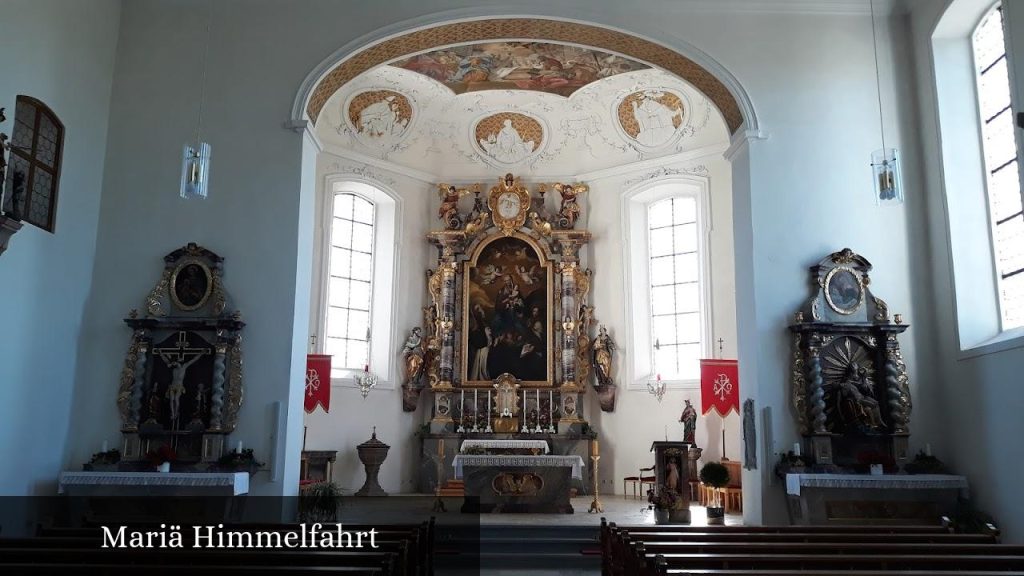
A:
(63, 54)
(352, 417)
(978, 394)
(810, 77)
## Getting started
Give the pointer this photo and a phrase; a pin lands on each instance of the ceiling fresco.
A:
(553, 68)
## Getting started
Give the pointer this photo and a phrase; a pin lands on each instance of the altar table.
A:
(816, 499)
(539, 445)
(513, 483)
(153, 483)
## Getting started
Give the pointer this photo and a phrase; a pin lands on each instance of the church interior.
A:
(621, 284)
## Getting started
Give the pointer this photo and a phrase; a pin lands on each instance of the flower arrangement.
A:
(239, 461)
(790, 462)
(162, 454)
(106, 458)
(474, 450)
(664, 500)
(926, 464)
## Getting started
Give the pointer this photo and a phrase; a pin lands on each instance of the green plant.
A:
(715, 475)
(319, 501)
(474, 450)
(108, 457)
(235, 459)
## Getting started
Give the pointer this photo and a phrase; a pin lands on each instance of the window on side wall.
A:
(33, 172)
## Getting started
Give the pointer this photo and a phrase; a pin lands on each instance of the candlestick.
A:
(523, 412)
(106, 448)
(551, 407)
(462, 413)
(239, 449)
(538, 429)
(488, 427)
(476, 412)
(796, 449)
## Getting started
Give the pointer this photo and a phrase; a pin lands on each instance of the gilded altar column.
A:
(450, 245)
(569, 245)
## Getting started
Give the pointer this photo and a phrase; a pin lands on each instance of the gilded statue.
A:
(413, 354)
(569, 211)
(603, 347)
(449, 210)
(856, 407)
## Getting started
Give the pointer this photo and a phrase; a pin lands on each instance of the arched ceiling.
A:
(554, 31)
(411, 120)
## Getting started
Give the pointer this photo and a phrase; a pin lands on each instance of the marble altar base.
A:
(517, 489)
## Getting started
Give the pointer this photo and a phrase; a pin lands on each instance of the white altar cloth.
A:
(236, 482)
(507, 444)
(524, 461)
(884, 481)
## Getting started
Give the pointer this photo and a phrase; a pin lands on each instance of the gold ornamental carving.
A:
(154, 302)
(517, 484)
(508, 203)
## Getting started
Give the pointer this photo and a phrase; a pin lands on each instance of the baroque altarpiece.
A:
(850, 388)
(181, 385)
(505, 349)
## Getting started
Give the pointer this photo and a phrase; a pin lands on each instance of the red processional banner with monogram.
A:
(719, 386)
(318, 382)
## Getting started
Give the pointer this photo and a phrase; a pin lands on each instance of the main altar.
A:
(506, 350)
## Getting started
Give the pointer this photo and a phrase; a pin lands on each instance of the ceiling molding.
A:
(653, 163)
(820, 7)
(392, 167)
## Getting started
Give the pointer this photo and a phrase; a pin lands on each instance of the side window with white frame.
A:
(357, 271)
(667, 281)
(350, 283)
(1002, 170)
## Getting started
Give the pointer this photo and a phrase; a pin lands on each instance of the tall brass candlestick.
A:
(595, 506)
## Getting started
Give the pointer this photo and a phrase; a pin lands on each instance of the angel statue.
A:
(449, 210)
(603, 347)
(570, 210)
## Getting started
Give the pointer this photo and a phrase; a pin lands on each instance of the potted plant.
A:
(103, 461)
(319, 502)
(668, 506)
(236, 461)
(716, 476)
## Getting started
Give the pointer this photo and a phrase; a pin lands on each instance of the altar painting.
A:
(507, 315)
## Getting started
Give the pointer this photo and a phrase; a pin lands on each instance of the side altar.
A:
(508, 342)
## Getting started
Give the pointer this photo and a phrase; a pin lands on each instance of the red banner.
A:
(318, 382)
(719, 386)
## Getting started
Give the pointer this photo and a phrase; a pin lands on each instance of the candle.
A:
(538, 409)
(239, 449)
(927, 449)
(105, 446)
(462, 408)
(488, 407)
(796, 448)
(523, 410)
(593, 448)
(440, 447)
(476, 408)
(551, 408)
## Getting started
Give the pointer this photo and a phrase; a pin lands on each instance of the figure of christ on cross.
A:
(178, 359)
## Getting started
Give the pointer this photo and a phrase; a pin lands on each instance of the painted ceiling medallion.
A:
(651, 118)
(553, 68)
(508, 137)
(379, 116)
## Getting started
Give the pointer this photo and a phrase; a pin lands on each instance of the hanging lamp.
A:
(885, 163)
(195, 162)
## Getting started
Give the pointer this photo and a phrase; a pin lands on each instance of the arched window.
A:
(675, 281)
(350, 282)
(1002, 169)
(668, 311)
(354, 279)
(30, 192)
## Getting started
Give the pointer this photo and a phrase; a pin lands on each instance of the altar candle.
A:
(105, 447)
(523, 411)
(239, 449)
(796, 449)
(551, 408)
(462, 408)
(593, 448)
(927, 449)
(488, 407)
(476, 408)
(440, 447)
(538, 408)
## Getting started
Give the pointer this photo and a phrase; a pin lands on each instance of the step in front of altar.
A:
(453, 488)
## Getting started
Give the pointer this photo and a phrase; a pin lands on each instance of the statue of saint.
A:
(507, 145)
(689, 420)
(413, 354)
(857, 408)
(177, 386)
(603, 347)
(449, 210)
(570, 209)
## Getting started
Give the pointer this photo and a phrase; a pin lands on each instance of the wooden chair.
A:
(638, 481)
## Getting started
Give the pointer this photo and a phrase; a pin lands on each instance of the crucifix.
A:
(178, 358)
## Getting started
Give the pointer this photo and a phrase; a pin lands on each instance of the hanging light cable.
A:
(885, 164)
(195, 168)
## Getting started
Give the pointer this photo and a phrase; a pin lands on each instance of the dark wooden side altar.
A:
(506, 347)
